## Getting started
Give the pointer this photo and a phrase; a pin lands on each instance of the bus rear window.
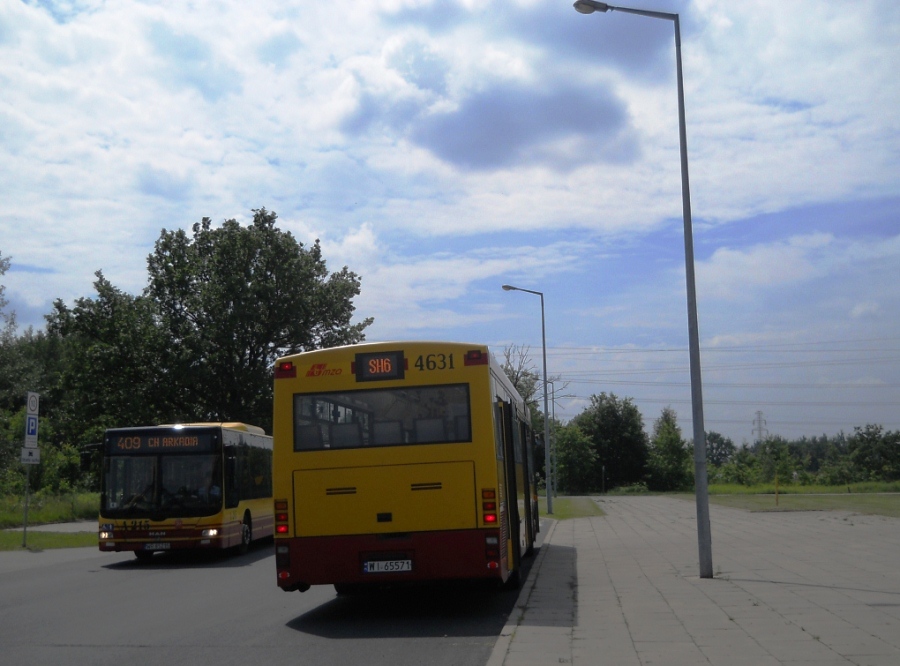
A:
(382, 417)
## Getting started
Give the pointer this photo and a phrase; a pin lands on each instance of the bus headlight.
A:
(105, 535)
(209, 533)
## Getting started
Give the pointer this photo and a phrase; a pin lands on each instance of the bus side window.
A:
(232, 492)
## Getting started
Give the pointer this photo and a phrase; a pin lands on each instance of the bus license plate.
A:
(387, 566)
(156, 546)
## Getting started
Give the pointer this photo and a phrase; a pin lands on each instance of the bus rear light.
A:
(489, 505)
(493, 565)
(281, 516)
(285, 370)
(475, 357)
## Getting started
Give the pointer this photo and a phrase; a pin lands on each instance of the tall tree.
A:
(199, 344)
(112, 372)
(615, 428)
(575, 459)
(670, 459)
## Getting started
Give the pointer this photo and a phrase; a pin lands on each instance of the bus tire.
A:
(514, 582)
(246, 534)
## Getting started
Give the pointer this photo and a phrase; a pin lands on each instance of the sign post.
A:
(31, 454)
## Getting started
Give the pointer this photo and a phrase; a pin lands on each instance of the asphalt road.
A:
(81, 606)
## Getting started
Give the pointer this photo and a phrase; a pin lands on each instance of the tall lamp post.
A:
(700, 479)
(508, 287)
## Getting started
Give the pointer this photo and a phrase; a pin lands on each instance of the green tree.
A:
(719, 449)
(576, 459)
(4, 266)
(615, 429)
(200, 342)
(669, 463)
(112, 348)
(236, 298)
(875, 454)
(775, 460)
(743, 469)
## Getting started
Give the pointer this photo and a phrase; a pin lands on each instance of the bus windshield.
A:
(382, 417)
(182, 485)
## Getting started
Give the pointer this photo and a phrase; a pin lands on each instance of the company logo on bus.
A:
(322, 370)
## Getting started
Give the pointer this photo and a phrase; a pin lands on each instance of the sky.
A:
(443, 148)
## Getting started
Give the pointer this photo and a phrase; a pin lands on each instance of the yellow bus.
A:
(196, 485)
(400, 462)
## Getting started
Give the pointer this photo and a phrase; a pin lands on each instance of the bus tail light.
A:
(476, 357)
(281, 516)
(489, 506)
(285, 370)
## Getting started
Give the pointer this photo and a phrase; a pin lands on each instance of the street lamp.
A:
(700, 479)
(508, 287)
(555, 456)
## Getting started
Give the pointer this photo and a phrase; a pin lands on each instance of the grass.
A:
(37, 541)
(565, 508)
(872, 503)
(43, 510)
(792, 489)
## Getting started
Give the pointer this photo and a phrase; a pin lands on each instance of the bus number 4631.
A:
(435, 362)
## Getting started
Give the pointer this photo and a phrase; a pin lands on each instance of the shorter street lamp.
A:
(508, 287)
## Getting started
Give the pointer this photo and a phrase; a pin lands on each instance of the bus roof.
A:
(230, 425)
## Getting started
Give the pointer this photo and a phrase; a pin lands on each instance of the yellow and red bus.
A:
(196, 485)
(400, 462)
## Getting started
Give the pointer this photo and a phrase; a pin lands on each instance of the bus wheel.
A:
(246, 534)
(514, 582)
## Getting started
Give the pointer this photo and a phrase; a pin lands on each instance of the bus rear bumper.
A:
(389, 558)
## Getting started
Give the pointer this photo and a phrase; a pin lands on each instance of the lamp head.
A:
(589, 7)
(509, 287)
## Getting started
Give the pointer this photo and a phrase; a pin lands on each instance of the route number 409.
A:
(435, 362)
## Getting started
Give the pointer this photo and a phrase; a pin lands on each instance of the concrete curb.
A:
(501, 647)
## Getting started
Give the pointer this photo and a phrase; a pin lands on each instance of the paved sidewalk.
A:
(795, 588)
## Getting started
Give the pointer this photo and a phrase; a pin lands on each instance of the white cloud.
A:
(438, 148)
(736, 273)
